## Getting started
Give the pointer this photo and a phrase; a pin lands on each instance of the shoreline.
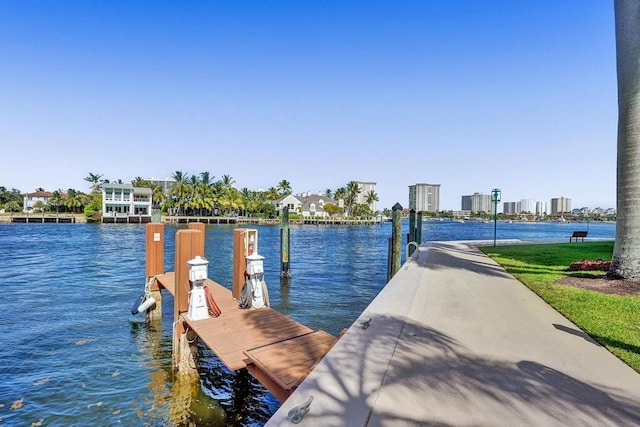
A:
(80, 219)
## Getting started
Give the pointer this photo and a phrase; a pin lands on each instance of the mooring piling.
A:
(396, 238)
(200, 226)
(189, 243)
(415, 231)
(154, 266)
(285, 271)
(411, 235)
(245, 242)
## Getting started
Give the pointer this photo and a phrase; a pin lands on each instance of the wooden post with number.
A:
(154, 265)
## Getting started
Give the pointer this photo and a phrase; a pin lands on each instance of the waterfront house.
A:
(292, 202)
(313, 205)
(35, 200)
(305, 204)
(124, 200)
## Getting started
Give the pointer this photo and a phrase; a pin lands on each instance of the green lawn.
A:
(612, 320)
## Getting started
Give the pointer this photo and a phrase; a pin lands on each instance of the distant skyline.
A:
(471, 95)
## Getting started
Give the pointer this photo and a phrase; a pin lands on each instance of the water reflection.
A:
(284, 306)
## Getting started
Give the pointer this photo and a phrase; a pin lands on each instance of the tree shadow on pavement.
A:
(455, 255)
(434, 380)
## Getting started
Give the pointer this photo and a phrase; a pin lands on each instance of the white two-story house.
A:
(313, 205)
(292, 202)
(35, 200)
(306, 204)
(123, 200)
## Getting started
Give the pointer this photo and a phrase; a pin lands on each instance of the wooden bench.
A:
(578, 235)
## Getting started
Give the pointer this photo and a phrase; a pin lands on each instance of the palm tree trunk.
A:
(626, 253)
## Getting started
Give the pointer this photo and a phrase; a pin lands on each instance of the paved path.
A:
(454, 340)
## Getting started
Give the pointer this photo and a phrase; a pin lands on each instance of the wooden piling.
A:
(239, 261)
(155, 265)
(189, 243)
(396, 238)
(201, 227)
(419, 228)
(285, 272)
(411, 235)
(389, 257)
(155, 249)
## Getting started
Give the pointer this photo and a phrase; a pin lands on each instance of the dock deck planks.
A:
(289, 362)
(237, 330)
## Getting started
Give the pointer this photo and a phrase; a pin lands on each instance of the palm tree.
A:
(284, 187)
(55, 200)
(138, 181)
(198, 201)
(351, 197)
(227, 181)
(206, 178)
(249, 200)
(75, 200)
(362, 210)
(231, 201)
(217, 190)
(328, 193)
(95, 179)
(206, 189)
(179, 191)
(626, 252)
(340, 193)
(370, 198)
(168, 204)
(158, 196)
(272, 194)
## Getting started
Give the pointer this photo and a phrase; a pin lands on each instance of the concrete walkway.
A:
(454, 340)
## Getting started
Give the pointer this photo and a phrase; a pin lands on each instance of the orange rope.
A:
(214, 310)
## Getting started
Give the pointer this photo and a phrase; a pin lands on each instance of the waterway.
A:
(72, 354)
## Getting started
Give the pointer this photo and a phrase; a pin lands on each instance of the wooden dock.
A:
(277, 350)
(43, 219)
(266, 221)
(127, 219)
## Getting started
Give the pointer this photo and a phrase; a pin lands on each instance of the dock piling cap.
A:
(198, 260)
(198, 268)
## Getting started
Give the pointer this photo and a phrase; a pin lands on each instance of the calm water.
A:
(71, 353)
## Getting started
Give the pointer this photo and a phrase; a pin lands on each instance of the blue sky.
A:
(472, 95)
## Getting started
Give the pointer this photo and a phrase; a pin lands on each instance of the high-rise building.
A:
(510, 208)
(165, 183)
(560, 205)
(365, 189)
(477, 202)
(527, 206)
(541, 208)
(424, 197)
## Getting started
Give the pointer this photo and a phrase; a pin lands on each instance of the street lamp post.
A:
(495, 198)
